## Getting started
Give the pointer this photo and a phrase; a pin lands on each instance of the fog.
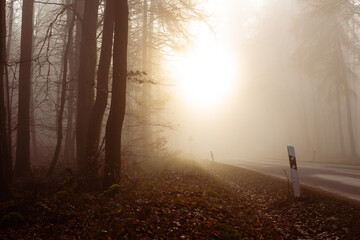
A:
(179, 119)
(241, 79)
(288, 87)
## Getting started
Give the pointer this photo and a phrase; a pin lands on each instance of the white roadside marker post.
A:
(294, 172)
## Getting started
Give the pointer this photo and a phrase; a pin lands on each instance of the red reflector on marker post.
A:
(293, 169)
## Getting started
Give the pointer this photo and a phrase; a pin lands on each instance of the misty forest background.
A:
(79, 76)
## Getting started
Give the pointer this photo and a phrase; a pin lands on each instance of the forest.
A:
(103, 92)
(292, 81)
(68, 68)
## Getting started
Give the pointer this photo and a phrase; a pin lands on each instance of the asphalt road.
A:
(340, 179)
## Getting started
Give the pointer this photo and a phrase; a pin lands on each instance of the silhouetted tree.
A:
(68, 43)
(5, 158)
(86, 80)
(98, 109)
(10, 23)
(22, 164)
(114, 124)
(146, 68)
(74, 56)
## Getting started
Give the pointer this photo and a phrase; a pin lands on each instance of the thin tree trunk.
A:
(350, 123)
(8, 102)
(33, 144)
(74, 58)
(146, 87)
(340, 123)
(62, 100)
(318, 149)
(98, 110)
(69, 139)
(344, 79)
(86, 80)
(115, 121)
(5, 159)
(22, 165)
(10, 26)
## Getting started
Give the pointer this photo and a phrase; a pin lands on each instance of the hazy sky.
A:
(209, 78)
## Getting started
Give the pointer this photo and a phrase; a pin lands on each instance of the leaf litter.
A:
(181, 199)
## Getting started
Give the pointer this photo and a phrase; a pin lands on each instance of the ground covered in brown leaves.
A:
(180, 200)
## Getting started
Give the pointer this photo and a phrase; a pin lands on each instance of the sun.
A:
(204, 74)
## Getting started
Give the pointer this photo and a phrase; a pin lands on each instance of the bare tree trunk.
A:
(22, 165)
(58, 87)
(115, 121)
(350, 122)
(5, 159)
(86, 80)
(8, 102)
(74, 58)
(146, 87)
(102, 90)
(340, 123)
(344, 79)
(62, 98)
(33, 143)
(69, 137)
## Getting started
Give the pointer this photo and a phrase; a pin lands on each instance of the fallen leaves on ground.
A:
(182, 200)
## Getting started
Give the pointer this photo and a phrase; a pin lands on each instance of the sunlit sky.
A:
(207, 72)
(208, 76)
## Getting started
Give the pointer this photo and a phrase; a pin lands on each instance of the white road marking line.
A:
(344, 180)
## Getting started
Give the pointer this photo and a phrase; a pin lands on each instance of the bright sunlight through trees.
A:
(205, 74)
